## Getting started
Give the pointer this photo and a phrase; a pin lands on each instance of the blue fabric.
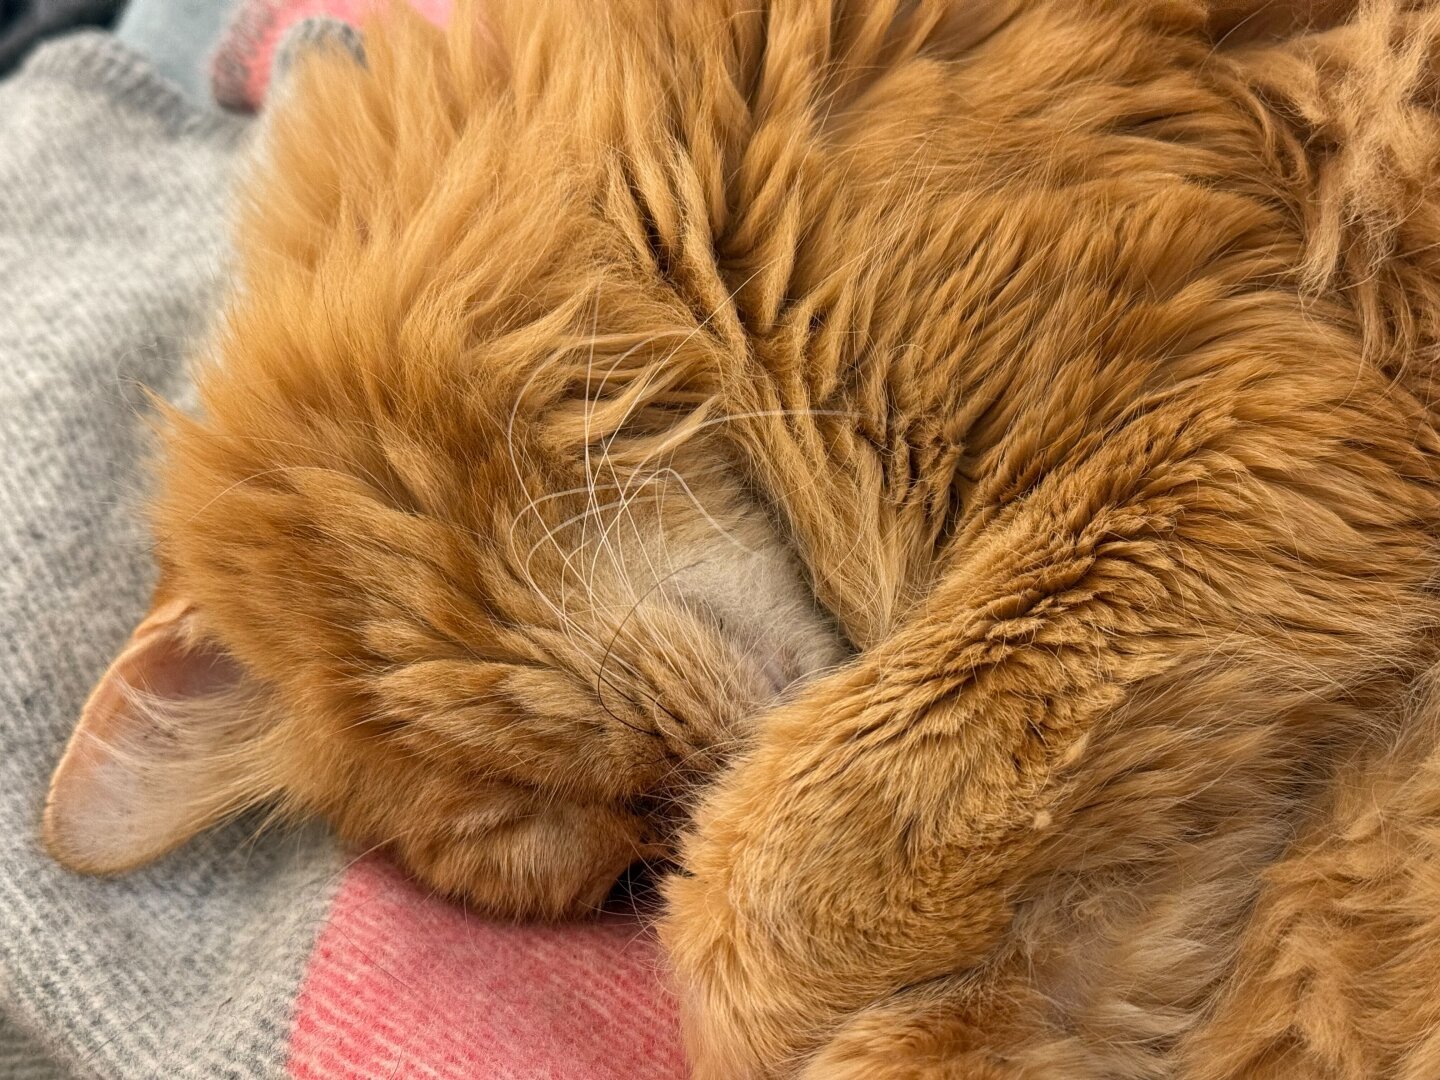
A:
(178, 37)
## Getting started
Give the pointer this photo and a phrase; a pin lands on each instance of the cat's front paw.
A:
(823, 878)
(923, 1034)
(747, 992)
(722, 994)
(755, 1012)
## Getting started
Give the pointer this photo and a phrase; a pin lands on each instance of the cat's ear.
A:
(160, 751)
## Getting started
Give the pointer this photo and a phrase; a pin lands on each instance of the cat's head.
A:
(412, 593)
(451, 555)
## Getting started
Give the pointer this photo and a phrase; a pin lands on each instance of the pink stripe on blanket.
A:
(401, 984)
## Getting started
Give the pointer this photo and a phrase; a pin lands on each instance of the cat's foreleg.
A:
(1085, 697)
(878, 830)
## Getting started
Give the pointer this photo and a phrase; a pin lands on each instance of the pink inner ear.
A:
(121, 794)
(153, 647)
(155, 662)
(175, 670)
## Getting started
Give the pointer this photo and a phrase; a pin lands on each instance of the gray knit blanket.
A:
(235, 956)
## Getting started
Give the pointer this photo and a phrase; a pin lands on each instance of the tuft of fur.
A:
(971, 466)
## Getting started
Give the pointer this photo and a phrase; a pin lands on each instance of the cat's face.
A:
(507, 652)
(449, 577)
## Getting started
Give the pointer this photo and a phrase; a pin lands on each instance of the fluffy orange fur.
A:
(1047, 382)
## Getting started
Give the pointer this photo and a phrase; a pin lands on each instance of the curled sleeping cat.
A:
(960, 478)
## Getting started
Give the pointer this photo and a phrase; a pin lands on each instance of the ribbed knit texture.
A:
(112, 196)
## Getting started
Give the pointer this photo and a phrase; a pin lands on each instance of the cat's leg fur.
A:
(1140, 882)
(1337, 969)
(1337, 947)
(919, 1034)
(1094, 931)
(1071, 716)
(924, 813)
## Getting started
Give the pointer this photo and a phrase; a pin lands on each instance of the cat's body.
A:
(977, 459)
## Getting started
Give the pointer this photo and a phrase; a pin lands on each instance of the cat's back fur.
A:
(1075, 358)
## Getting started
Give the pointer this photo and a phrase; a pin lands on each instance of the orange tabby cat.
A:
(967, 469)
